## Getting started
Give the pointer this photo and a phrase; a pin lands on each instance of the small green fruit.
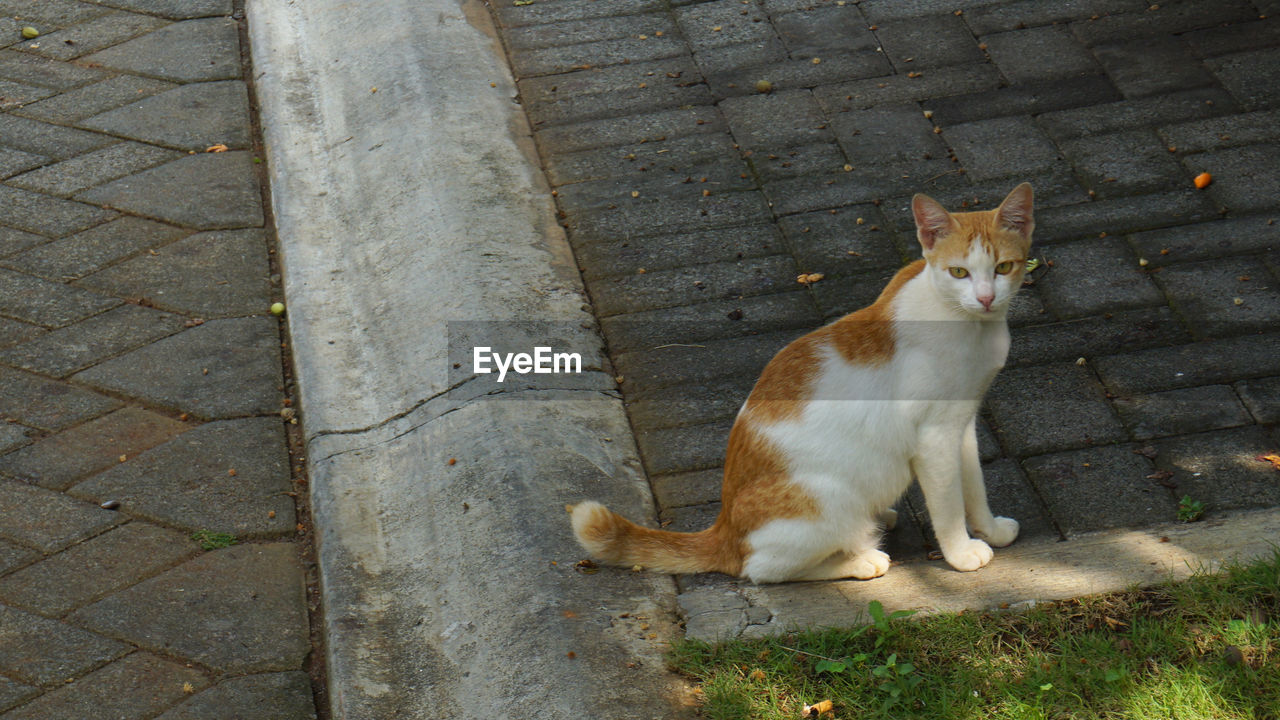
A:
(277, 308)
(30, 33)
(764, 86)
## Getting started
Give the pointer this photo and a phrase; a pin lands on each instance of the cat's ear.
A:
(932, 220)
(1015, 212)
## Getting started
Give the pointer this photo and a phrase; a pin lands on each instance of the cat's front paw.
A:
(970, 556)
(1002, 532)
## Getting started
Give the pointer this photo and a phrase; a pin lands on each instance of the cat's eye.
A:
(958, 272)
(1005, 267)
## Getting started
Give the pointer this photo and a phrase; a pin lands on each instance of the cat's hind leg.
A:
(785, 549)
(859, 559)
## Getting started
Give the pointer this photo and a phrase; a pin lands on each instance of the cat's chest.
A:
(956, 357)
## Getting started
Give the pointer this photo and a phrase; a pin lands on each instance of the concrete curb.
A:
(407, 197)
(1020, 575)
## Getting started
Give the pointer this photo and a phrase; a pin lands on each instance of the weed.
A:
(210, 540)
(1189, 510)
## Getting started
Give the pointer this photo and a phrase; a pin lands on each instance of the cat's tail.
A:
(615, 540)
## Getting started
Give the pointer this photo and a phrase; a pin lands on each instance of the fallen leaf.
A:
(823, 709)
(216, 148)
(1146, 451)
(809, 278)
(757, 675)
(1272, 458)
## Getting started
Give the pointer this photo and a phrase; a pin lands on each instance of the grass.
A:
(1203, 649)
(210, 540)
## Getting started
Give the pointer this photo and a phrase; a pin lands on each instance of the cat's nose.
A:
(986, 300)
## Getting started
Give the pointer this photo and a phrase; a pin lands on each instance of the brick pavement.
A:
(141, 376)
(703, 154)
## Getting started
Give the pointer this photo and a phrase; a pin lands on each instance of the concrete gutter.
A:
(409, 201)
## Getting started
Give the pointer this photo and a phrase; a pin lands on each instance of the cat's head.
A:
(976, 259)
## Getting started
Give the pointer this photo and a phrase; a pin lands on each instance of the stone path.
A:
(705, 154)
(141, 380)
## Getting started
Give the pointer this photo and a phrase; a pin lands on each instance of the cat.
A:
(844, 417)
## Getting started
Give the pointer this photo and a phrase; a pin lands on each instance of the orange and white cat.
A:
(842, 419)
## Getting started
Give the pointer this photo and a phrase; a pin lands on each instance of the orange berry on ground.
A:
(1203, 180)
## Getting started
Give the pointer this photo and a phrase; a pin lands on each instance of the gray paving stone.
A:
(14, 241)
(70, 176)
(1142, 67)
(188, 51)
(685, 448)
(13, 162)
(51, 12)
(990, 149)
(83, 102)
(46, 404)
(1124, 163)
(228, 476)
(59, 461)
(691, 488)
(693, 403)
(851, 240)
(768, 122)
(101, 32)
(52, 305)
(1203, 241)
(515, 16)
(692, 284)
(602, 53)
(864, 184)
(1100, 488)
(191, 117)
(95, 568)
(1163, 18)
(1116, 216)
(895, 89)
(210, 274)
(578, 32)
(12, 436)
(714, 320)
(135, 686)
(14, 556)
(921, 43)
(821, 159)
(887, 134)
(613, 91)
(69, 349)
(36, 212)
(241, 357)
(1157, 110)
(1095, 276)
(1202, 363)
(1176, 412)
(1252, 77)
(1262, 397)
(1040, 53)
(656, 187)
(15, 95)
(1205, 295)
(12, 693)
(743, 357)
(844, 295)
(824, 31)
(1243, 180)
(1051, 408)
(600, 163)
(663, 252)
(730, 58)
(208, 191)
(696, 214)
(42, 72)
(270, 696)
(723, 22)
(1234, 38)
(88, 251)
(1223, 132)
(1006, 16)
(751, 67)
(1097, 335)
(1032, 98)
(47, 520)
(258, 624)
(1221, 469)
(878, 11)
(632, 129)
(41, 651)
(177, 9)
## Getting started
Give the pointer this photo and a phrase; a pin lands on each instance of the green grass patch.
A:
(210, 540)
(1207, 648)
